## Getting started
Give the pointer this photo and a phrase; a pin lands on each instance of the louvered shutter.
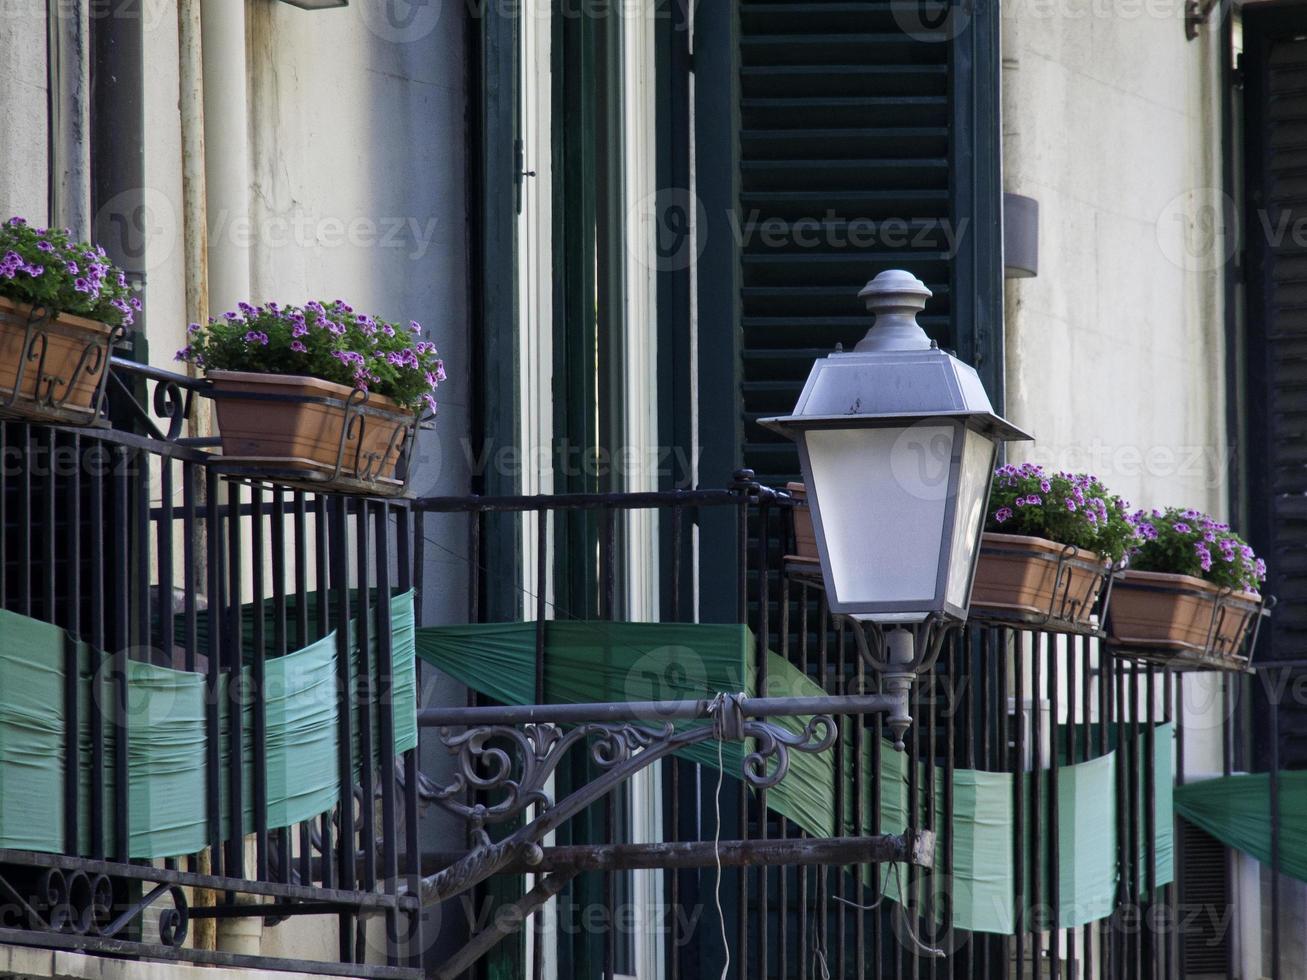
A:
(860, 146)
(1275, 438)
(1204, 886)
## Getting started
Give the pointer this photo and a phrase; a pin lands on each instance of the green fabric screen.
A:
(166, 737)
(1236, 810)
(604, 661)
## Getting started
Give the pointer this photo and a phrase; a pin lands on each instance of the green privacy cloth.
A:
(1236, 810)
(601, 661)
(1086, 847)
(167, 737)
(608, 661)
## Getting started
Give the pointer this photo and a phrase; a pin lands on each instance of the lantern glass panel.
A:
(880, 498)
(977, 465)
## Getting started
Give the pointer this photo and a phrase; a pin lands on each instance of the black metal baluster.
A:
(280, 643)
(805, 600)
(672, 809)
(302, 639)
(1019, 783)
(823, 878)
(385, 694)
(370, 754)
(121, 642)
(759, 805)
(1037, 919)
(322, 614)
(141, 553)
(48, 531)
(841, 769)
(235, 638)
(72, 666)
(1054, 891)
(23, 527)
(258, 677)
(190, 628)
(347, 848)
(782, 824)
(953, 703)
(213, 681)
(742, 796)
(412, 848)
(1086, 705)
(164, 561)
(1148, 943)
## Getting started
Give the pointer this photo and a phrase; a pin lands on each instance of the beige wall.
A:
(1115, 351)
(23, 147)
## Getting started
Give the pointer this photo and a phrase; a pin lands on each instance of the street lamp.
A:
(897, 440)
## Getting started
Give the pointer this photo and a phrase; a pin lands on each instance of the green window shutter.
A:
(868, 140)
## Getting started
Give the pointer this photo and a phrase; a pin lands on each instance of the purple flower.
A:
(1204, 557)
(1003, 514)
(415, 326)
(1034, 500)
(298, 347)
(256, 337)
(430, 400)
(1071, 505)
(1182, 527)
(45, 246)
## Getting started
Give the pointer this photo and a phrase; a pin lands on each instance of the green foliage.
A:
(1188, 542)
(45, 267)
(322, 340)
(1069, 508)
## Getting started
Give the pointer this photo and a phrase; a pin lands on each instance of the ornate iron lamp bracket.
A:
(509, 765)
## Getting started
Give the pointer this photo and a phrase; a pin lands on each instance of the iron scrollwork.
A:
(50, 392)
(515, 764)
(81, 903)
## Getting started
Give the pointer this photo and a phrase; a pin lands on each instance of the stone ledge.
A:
(25, 963)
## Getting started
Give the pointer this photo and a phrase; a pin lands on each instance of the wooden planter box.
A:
(1183, 618)
(1037, 581)
(52, 369)
(805, 538)
(313, 433)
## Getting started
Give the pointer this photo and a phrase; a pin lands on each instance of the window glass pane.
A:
(978, 455)
(879, 496)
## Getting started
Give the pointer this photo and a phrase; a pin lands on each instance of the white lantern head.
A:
(897, 441)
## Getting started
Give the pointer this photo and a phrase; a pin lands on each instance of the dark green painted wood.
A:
(717, 133)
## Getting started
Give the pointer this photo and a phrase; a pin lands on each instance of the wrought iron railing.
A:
(981, 709)
(131, 538)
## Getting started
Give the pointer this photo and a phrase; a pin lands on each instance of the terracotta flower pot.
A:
(1159, 610)
(1037, 579)
(297, 429)
(805, 538)
(58, 371)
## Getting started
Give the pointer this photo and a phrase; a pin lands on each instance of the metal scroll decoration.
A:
(515, 764)
(80, 903)
(52, 392)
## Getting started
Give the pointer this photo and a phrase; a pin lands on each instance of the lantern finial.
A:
(895, 297)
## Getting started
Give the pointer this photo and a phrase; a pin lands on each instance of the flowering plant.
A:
(322, 340)
(47, 268)
(1069, 508)
(1188, 542)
